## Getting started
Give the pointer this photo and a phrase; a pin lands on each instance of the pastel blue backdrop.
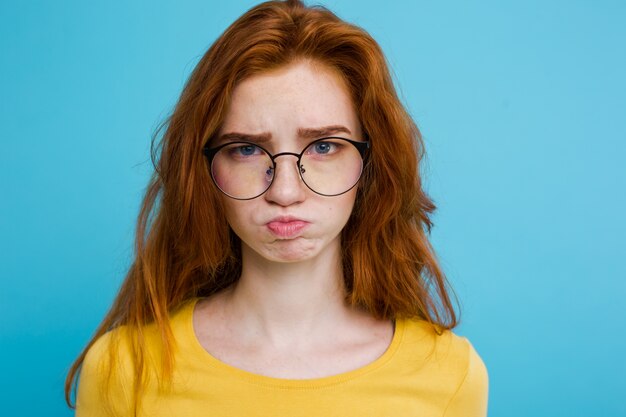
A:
(522, 106)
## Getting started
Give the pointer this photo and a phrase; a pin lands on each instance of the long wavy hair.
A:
(184, 247)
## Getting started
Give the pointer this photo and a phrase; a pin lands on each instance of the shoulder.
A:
(117, 349)
(455, 369)
(109, 370)
(106, 376)
(473, 389)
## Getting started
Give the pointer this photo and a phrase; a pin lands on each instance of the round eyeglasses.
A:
(328, 166)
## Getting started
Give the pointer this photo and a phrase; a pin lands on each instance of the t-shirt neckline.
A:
(205, 358)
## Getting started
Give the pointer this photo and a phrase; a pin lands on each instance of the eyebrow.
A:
(320, 132)
(303, 133)
(244, 137)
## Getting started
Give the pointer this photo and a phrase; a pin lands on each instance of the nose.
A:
(287, 187)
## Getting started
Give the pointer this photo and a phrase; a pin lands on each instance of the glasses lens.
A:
(242, 170)
(331, 166)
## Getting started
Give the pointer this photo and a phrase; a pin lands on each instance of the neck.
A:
(284, 303)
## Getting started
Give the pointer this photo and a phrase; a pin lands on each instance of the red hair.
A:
(184, 246)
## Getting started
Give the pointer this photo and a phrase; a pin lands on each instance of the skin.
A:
(286, 316)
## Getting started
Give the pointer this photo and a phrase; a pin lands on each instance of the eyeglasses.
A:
(328, 166)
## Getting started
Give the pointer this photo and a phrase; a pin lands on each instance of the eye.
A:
(246, 150)
(241, 151)
(324, 147)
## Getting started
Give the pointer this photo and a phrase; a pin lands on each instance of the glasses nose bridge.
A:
(298, 159)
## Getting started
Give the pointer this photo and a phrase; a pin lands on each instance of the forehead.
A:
(281, 102)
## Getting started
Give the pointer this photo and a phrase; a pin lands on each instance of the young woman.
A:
(282, 262)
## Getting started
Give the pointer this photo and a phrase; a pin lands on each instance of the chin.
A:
(293, 250)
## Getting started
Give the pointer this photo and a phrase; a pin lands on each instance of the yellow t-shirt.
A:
(420, 374)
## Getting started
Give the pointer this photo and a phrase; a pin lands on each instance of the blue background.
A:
(522, 106)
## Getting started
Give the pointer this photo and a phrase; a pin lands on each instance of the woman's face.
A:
(284, 110)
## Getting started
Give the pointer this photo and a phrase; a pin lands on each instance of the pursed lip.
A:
(286, 226)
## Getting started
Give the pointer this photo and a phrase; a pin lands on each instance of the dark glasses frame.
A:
(361, 147)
